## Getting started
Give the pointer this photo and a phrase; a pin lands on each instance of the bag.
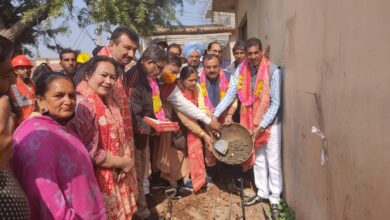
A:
(179, 138)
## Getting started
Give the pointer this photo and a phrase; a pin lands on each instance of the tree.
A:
(23, 21)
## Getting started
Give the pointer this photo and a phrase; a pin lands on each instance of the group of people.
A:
(82, 148)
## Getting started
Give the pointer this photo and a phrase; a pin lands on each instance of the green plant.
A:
(286, 213)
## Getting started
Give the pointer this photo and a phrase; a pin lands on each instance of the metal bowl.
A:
(238, 135)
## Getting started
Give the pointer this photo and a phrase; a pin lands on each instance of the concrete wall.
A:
(335, 50)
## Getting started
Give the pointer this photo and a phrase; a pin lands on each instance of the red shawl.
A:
(120, 97)
(195, 150)
(118, 196)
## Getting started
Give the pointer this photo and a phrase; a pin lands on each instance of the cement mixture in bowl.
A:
(240, 144)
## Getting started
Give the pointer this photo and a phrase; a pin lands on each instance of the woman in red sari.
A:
(102, 127)
(188, 85)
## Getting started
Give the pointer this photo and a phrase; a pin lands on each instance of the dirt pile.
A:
(214, 202)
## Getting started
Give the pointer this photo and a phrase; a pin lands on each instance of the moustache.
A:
(127, 57)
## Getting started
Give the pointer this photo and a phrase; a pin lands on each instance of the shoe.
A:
(182, 192)
(248, 192)
(254, 200)
(187, 185)
(233, 188)
(275, 212)
(160, 184)
(209, 180)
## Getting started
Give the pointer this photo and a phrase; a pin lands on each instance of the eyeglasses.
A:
(174, 54)
(159, 67)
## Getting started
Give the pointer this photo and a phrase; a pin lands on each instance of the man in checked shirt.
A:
(257, 81)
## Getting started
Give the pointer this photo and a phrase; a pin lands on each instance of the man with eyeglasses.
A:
(174, 49)
(68, 62)
(145, 100)
(192, 52)
(216, 49)
(143, 92)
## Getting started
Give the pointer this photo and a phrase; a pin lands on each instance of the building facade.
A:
(332, 53)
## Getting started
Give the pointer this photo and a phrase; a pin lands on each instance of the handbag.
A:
(179, 138)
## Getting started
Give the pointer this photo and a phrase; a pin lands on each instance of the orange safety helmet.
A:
(21, 60)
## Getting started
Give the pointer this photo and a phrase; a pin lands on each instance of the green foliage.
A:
(286, 213)
(143, 16)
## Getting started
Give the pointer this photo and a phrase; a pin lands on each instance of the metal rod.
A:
(242, 196)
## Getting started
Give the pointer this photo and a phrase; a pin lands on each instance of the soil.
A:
(214, 202)
(237, 151)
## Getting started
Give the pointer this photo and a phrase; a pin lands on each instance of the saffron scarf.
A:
(254, 106)
(157, 104)
(118, 196)
(223, 87)
(195, 149)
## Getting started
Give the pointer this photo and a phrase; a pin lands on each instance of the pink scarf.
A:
(157, 104)
(223, 87)
(254, 106)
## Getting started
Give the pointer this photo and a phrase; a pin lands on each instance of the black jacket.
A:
(140, 103)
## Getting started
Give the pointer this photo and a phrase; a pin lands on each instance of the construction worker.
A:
(23, 92)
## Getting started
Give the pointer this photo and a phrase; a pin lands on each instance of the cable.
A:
(83, 28)
(78, 38)
(54, 38)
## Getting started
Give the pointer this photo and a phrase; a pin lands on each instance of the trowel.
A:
(221, 146)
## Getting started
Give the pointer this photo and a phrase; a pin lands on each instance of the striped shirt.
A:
(275, 95)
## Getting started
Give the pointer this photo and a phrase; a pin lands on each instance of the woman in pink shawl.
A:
(105, 128)
(50, 162)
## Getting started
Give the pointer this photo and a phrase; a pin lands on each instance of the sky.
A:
(81, 39)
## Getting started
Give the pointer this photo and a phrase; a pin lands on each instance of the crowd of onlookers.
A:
(83, 149)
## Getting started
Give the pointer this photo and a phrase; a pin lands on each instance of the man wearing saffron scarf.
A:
(144, 101)
(214, 83)
(257, 84)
